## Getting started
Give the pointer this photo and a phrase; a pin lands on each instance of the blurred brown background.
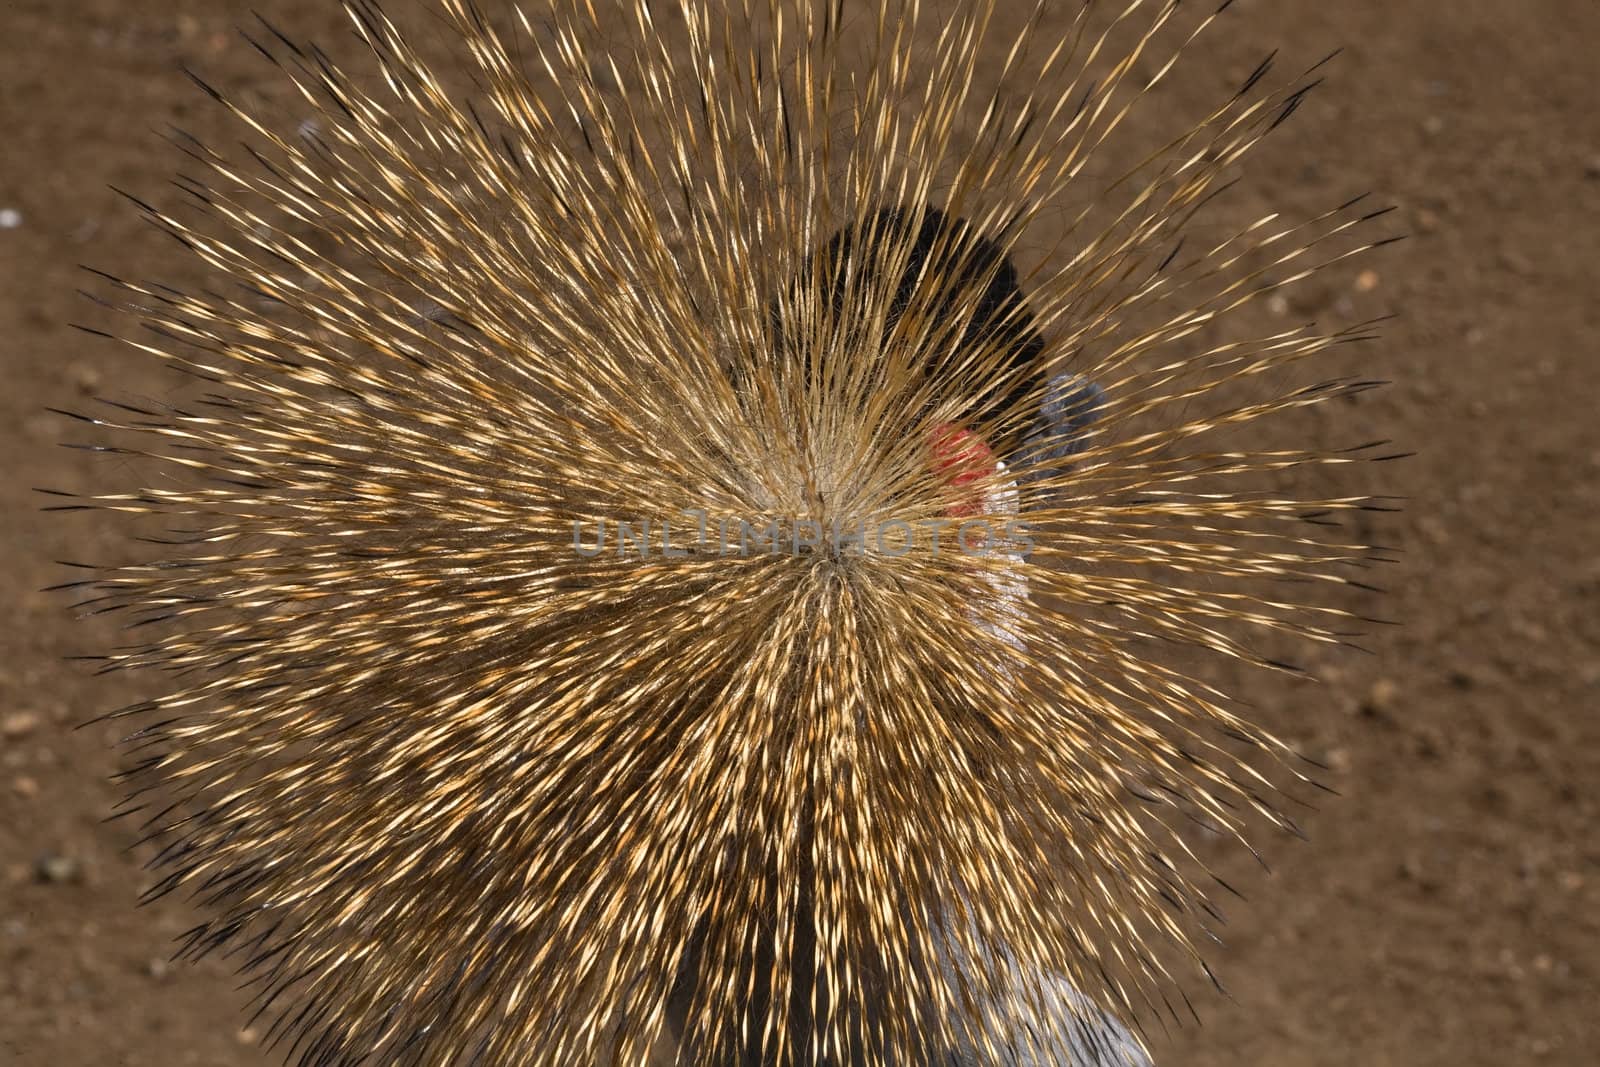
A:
(1447, 909)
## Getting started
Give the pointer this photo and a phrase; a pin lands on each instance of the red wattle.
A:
(963, 458)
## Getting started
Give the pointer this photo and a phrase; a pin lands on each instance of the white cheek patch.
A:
(1002, 562)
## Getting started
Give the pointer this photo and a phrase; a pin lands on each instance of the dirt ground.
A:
(1447, 908)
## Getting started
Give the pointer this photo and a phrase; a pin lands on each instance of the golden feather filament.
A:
(452, 788)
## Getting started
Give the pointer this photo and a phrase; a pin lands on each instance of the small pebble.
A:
(58, 869)
(25, 787)
(19, 724)
(85, 377)
(10, 218)
(1366, 281)
(1380, 698)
